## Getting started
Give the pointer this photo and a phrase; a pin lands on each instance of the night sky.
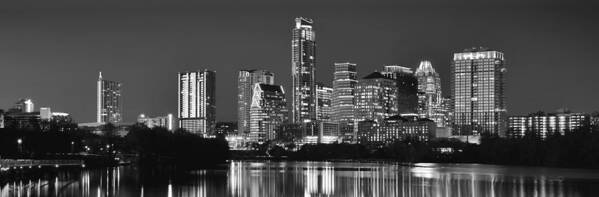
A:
(51, 51)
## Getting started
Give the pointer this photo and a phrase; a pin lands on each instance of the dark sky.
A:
(51, 51)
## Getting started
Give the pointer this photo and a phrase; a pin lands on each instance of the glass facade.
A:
(407, 88)
(245, 85)
(430, 102)
(324, 100)
(376, 98)
(197, 102)
(303, 62)
(268, 111)
(477, 90)
(344, 85)
(109, 104)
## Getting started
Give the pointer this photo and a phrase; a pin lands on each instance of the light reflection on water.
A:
(248, 179)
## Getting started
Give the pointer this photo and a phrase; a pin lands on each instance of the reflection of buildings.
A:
(110, 103)
(477, 90)
(168, 122)
(395, 128)
(268, 111)
(245, 90)
(543, 125)
(197, 102)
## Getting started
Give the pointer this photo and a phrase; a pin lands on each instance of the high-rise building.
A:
(376, 98)
(477, 91)
(542, 125)
(344, 85)
(197, 102)
(24, 105)
(303, 63)
(430, 100)
(245, 88)
(110, 103)
(168, 122)
(407, 88)
(268, 111)
(324, 101)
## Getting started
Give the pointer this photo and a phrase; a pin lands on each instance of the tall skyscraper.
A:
(324, 100)
(407, 88)
(245, 88)
(197, 102)
(268, 111)
(376, 98)
(303, 62)
(429, 89)
(110, 104)
(477, 91)
(344, 84)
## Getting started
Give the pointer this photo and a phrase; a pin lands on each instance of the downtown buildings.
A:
(303, 63)
(345, 80)
(477, 92)
(542, 125)
(430, 100)
(109, 101)
(246, 80)
(168, 122)
(267, 112)
(407, 88)
(196, 109)
(376, 98)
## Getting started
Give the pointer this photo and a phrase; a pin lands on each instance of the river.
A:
(263, 178)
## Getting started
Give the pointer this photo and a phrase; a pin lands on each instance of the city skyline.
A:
(522, 63)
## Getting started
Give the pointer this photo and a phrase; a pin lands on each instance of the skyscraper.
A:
(110, 104)
(429, 98)
(376, 98)
(477, 91)
(197, 102)
(344, 84)
(245, 89)
(324, 100)
(303, 62)
(407, 88)
(268, 111)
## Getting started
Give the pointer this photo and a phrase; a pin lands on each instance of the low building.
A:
(542, 125)
(169, 122)
(395, 128)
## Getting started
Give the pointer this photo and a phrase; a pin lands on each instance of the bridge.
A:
(8, 164)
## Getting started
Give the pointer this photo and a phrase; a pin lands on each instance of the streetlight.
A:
(19, 145)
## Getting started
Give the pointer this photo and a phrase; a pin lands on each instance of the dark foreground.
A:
(263, 178)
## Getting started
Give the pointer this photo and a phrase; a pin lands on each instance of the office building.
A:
(324, 102)
(109, 101)
(168, 122)
(197, 102)
(477, 91)
(245, 88)
(395, 128)
(24, 105)
(407, 88)
(344, 85)
(430, 101)
(542, 125)
(303, 63)
(376, 98)
(268, 111)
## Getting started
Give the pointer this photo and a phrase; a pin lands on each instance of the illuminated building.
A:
(407, 88)
(268, 111)
(245, 88)
(376, 98)
(110, 103)
(395, 128)
(24, 105)
(303, 62)
(324, 100)
(197, 102)
(429, 88)
(344, 85)
(477, 90)
(168, 122)
(542, 125)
